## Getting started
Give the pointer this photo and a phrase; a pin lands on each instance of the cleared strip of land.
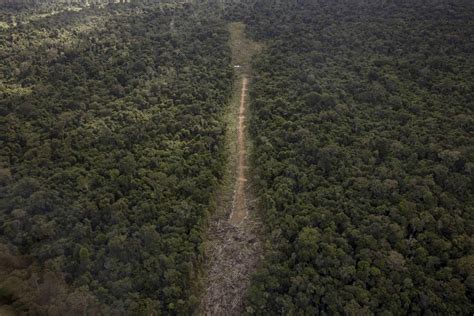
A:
(233, 248)
(239, 207)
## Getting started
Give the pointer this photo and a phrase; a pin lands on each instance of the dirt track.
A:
(239, 205)
(233, 247)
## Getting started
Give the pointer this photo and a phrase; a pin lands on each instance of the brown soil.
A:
(233, 247)
(239, 207)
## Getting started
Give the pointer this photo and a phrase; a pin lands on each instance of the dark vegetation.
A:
(110, 149)
(111, 146)
(364, 157)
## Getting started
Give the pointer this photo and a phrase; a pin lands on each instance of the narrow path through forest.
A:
(232, 247)
(239, 207)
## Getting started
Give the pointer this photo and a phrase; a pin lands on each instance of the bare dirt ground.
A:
(239, 207)
(233, 247)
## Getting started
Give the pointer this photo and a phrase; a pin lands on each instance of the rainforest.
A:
(224, 157)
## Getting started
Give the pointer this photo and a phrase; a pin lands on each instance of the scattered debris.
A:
(233, 247)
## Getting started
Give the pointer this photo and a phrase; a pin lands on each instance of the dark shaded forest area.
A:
(111, 147)
(363, 128)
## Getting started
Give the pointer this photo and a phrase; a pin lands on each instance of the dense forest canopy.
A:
(363, 127)
(112, 147)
